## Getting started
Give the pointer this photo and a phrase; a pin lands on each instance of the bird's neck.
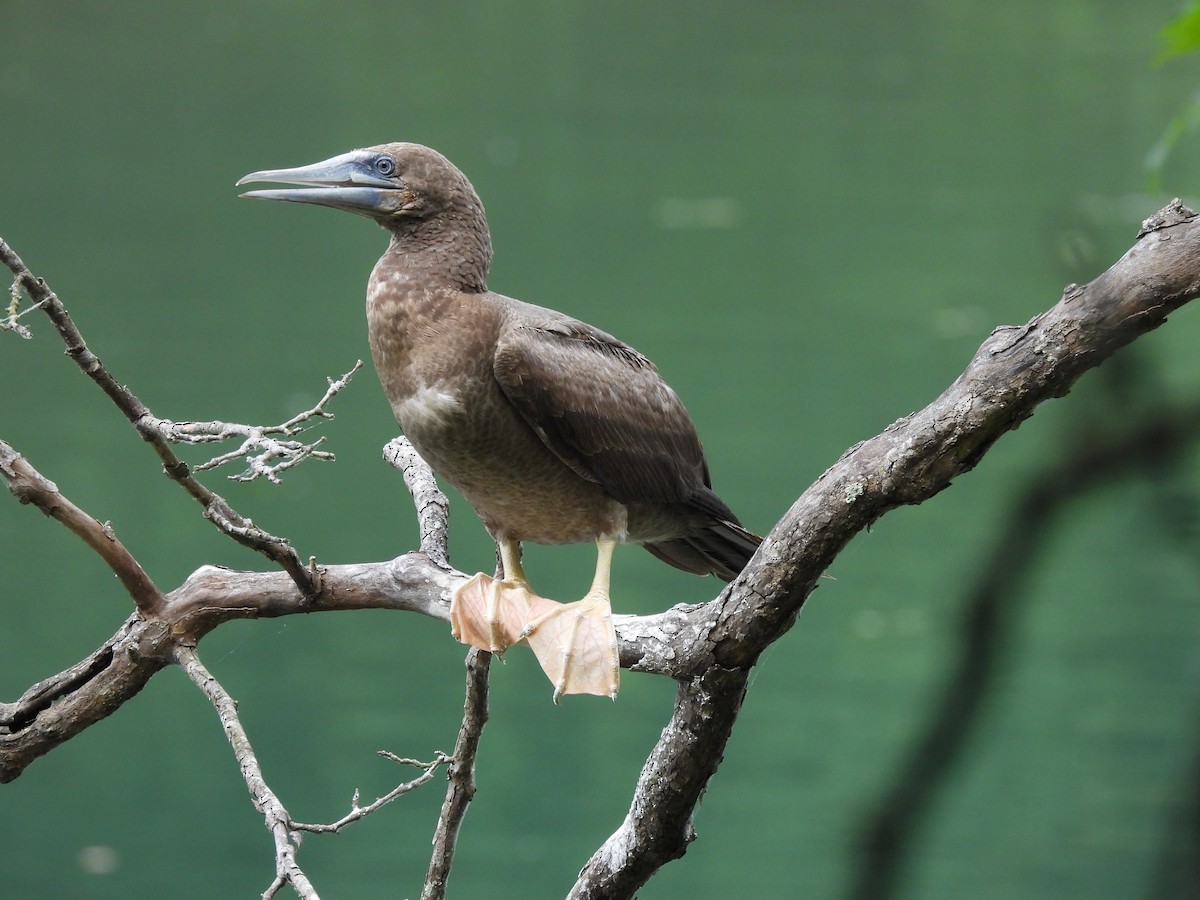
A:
(419, 321)
(447, 252)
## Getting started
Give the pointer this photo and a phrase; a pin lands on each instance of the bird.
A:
(554, 431)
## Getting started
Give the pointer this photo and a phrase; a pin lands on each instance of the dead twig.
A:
(462, 775)
(287, 870)
(216, 508)
(359, 812)
(30, 486)
(267, 449)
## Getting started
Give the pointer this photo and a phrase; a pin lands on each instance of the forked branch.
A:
(709, 649)
(216, 508)
(269, 450)
(1016, 369)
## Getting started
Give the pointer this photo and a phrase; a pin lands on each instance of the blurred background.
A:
(809, 215)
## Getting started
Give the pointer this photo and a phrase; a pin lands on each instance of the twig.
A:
(14, 312)
(462, 775)
(217, 510)
(266, 455)
(30, 486)
(277, 819)
(359, 812)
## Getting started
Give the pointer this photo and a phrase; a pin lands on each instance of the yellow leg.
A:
(576, 643)
(489, 613)
(604, 552)
(510, 561)
(514, 577)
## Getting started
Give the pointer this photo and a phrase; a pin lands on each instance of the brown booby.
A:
(554, 431)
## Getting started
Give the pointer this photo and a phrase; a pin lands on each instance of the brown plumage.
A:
(553, 430)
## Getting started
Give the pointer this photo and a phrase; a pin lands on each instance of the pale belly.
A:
(518, 487)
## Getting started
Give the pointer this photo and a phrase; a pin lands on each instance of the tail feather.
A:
(721, 548)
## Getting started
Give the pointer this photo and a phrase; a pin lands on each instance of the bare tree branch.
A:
(462, 775)
(58, 708)
(267, 456)
(916, 457)
(29, 486)
(287, 870)
(216, 508)
(658, 826)
(433, 509)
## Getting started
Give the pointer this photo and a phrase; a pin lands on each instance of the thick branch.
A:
(1014, 370)
(710, 648)
(57, 709)
(658, 826)
(913, 459)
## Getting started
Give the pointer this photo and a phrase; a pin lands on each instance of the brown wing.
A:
(602, 408)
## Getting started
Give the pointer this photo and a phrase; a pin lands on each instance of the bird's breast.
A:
(434, 350)
(470, 435)
(430, 409)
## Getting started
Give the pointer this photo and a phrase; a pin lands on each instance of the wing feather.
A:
(602, 407)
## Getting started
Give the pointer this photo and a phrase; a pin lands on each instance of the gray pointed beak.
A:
(344, 182)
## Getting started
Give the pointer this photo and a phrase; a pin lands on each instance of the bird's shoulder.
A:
(527, 329)
(598, 404)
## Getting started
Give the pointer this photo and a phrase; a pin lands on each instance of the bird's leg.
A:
(576, 643)
(490, 613)
(475, 605)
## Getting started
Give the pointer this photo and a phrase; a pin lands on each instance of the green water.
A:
(809, 215)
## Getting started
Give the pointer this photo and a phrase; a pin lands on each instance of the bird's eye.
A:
(385, 166)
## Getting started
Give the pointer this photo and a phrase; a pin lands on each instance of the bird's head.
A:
(388, 183)
(412, 191)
